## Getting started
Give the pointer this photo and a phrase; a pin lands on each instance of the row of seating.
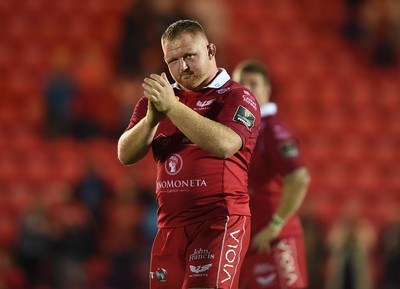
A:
(344, 112)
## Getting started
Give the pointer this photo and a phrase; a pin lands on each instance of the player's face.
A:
(188, 61)
(256, 84)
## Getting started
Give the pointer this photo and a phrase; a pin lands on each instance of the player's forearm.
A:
(293, 193)
(209, 135)
(134, 144)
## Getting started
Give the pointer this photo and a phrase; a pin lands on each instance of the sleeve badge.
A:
(244, 116)
(289, 149)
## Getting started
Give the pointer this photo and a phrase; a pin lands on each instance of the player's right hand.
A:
(160, 92)
(263, 239)
(153, 115)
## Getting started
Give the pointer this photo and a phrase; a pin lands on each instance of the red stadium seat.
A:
(8, 232)
(98, 270)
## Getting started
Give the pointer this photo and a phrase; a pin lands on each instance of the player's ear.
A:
(212, 50)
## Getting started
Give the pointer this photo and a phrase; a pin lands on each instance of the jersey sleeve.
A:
(138, 113)
(241, 113)
(282, 147)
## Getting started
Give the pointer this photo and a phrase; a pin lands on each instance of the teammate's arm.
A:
(294, 189)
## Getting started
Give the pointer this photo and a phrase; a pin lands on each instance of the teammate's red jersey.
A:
(192, 184)
(276, 154)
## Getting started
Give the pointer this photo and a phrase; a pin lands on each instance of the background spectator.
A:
(391, 249)
(93, 190)
(350, 242)
(145, 21)
(60, 93)
(375, 24)
(36, 245)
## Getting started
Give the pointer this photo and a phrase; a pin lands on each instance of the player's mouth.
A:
(186, 75)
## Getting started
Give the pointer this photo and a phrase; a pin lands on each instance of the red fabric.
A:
(285, 268)
(194, 185)
(267, 168)
(207, 254)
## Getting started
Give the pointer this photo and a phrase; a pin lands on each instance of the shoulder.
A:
(241, 94)
(277, 128)
(236, 87)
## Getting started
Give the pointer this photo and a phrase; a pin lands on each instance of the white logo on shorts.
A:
(200, 268)
(287, 262)
(267, 280)
(230, 255)
(201, 253)
(262, 268)
(160, 274)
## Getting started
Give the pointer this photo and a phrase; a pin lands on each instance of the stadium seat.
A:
(8, 232)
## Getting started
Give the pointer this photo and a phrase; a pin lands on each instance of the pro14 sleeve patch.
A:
(244, 116)
(289, 149)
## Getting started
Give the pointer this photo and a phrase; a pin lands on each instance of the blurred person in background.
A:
(60, 94)
(143, 25)
(350, 241)
(79, 95)
(202, 131)
(36, 245)
(352, 26)
(278, 181)
(75, 242)
(56, 236)
(95, 110)
(121, 238)
(390, 247)
(92, 189)
(314, 239)
(381, 20)
(138, 52)
(375, 24)
(11, 276)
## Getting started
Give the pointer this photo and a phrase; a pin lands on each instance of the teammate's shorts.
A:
(206, 254)
(284, 268)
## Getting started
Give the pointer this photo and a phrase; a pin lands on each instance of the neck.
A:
(213, 74)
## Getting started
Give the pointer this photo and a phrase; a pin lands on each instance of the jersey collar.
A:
(221, 78)
(268, 109)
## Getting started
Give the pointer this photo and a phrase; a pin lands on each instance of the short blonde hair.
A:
(181, 27)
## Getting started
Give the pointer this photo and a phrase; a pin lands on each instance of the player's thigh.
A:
(167, 264)
(216, 252)
(290, 260)
(258, 271)
(284, 268)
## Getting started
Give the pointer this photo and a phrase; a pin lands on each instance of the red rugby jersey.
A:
(192, 184)
(276, 154)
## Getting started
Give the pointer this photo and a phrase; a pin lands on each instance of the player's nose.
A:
(183, 65)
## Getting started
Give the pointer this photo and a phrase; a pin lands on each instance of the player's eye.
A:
(172, 60)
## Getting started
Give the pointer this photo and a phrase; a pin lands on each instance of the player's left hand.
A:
(263, 239)
(160, 92)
